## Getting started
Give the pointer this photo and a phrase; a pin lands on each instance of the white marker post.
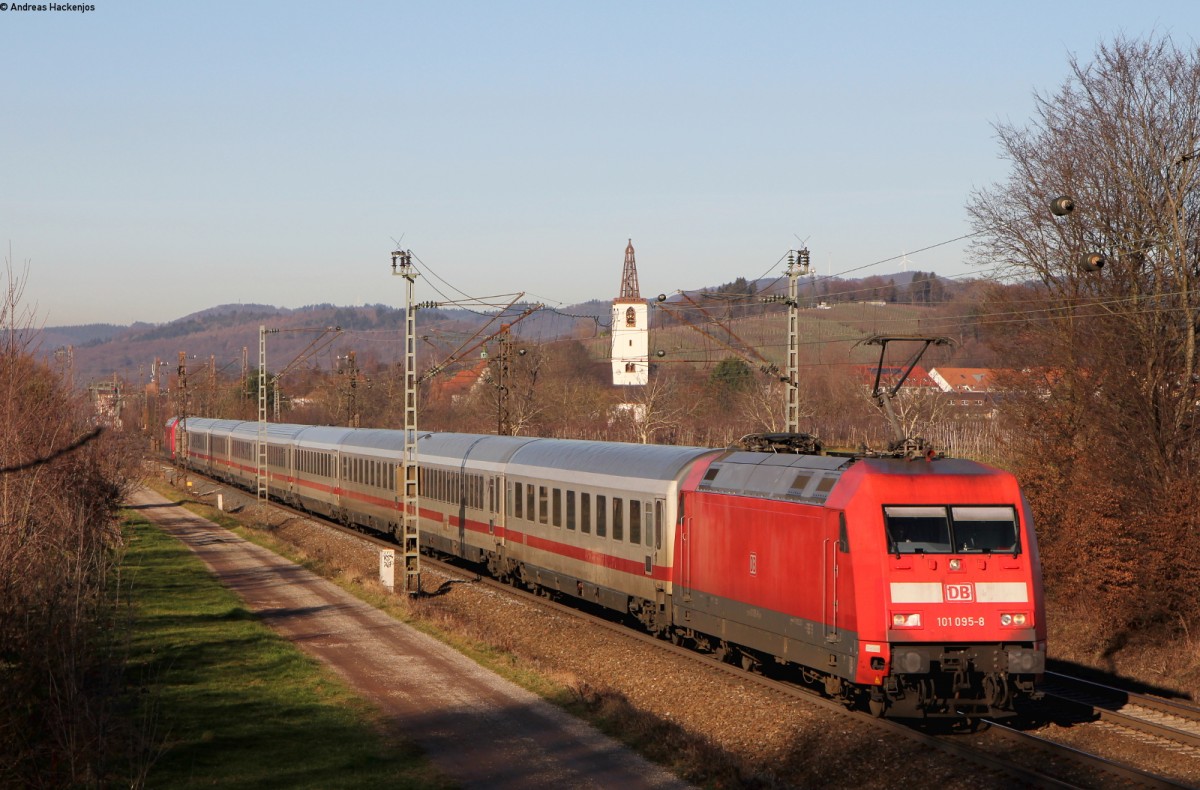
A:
(387, 568)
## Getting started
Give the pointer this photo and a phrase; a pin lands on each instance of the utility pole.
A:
(798, 261)
(410, 502)
(797, 266)
(503, 346)
(352, 419)
(181, 451)
(261, 444)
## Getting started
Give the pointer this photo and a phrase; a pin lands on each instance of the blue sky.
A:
(159, 158)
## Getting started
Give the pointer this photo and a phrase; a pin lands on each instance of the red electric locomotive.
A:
(913, 585)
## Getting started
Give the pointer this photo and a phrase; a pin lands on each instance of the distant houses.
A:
(971, 392)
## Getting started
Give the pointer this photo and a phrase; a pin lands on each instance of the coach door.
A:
(497, 494)
(652, 524)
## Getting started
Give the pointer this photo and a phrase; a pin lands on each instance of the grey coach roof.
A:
(651, 461)
(474, 447)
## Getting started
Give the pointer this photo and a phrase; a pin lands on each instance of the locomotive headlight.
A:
(955, 564)
(1012, 619)
(906, 620)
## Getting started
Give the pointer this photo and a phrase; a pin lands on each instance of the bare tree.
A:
(1110, 424)
(657, 411)
(61, 483)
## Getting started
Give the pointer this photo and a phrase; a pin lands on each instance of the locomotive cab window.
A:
(917, 530)
(947, 530)
(985, 529)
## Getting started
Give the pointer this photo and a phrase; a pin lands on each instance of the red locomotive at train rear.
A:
(913, 586)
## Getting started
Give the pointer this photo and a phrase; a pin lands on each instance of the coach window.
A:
(570, 509)
(530, 502)
(518, 499)
(601, 516)
(585, 512)
(635, 521)
(651, 523)
(543, 505)
(557, 507)
(618, 519)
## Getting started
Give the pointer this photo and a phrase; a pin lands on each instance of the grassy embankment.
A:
(232, 703)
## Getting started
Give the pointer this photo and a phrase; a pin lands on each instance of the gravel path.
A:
(479, 729)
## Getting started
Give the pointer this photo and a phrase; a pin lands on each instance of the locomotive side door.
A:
(683, 550)
(833, 546)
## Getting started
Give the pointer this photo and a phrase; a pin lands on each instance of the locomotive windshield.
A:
(951, 530)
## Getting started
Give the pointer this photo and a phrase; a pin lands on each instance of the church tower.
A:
(630, 329)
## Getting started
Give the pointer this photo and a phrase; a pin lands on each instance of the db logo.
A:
(960, 592)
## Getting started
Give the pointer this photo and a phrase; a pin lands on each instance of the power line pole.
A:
(261, 444)
(410, 502)
(503, 419)
(352, 418)
(245, 392)
(182, 451)
(797, 266)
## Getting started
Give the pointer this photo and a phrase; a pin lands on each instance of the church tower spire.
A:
(629, 283)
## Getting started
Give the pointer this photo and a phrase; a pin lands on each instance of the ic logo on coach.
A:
(960, 592)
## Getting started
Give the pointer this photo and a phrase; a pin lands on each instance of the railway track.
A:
(1061, 767)
(1153, 716)
(1000, 752)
